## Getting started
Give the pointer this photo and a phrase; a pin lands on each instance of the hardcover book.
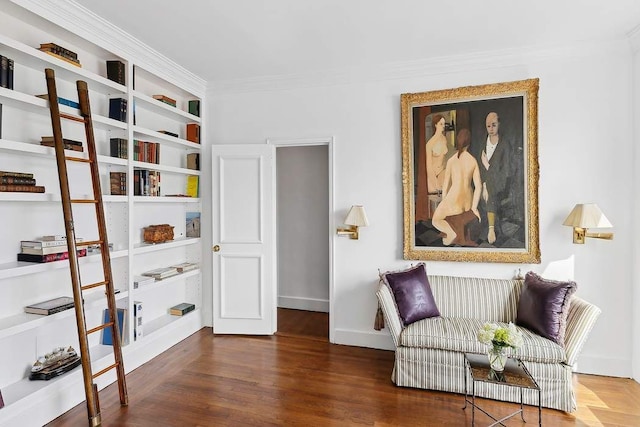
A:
(137, 320)
(4, 71)
(47, 250)
(118, 148)
(192, 185)
(182, 309)
(193, 161)
(21, 188)
(194, 107)
(17, 181)
(45, 242)
(118, 109)
(193, 132)
(16, 174)
(50, 257)
(116, 71)
(50, 306)
(107, 336)
(165, 99)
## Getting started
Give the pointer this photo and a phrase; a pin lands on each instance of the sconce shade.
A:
(587, 215)
(357, 216)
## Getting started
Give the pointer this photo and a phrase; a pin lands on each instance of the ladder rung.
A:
(70, 117)
(94, 285)
(83, 201)
(108, 368)
(78, 159)
(100, 327)
(89, 243)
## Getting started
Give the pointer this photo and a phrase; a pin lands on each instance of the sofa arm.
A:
(581, 319)
(390, 310)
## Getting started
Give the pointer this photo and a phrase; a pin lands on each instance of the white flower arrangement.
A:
(500, 336)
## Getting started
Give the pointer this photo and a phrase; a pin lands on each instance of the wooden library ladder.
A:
(90, 388)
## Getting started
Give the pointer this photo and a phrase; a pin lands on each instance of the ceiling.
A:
(241, 39)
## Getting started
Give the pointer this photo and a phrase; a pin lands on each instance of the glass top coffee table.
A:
(515, 374)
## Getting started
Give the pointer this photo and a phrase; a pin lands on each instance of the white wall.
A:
(585, 143)
(635, 251)
(303, 225)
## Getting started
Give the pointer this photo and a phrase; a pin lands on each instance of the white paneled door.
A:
(244, 250)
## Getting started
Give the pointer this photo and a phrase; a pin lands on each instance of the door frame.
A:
(307, 142)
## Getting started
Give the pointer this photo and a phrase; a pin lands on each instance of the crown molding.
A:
(88, 25)
(487, 60)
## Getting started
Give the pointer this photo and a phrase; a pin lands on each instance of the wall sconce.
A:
(355, 218)
(584, 216)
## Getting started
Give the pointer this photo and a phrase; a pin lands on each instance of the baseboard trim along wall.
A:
(300, 303)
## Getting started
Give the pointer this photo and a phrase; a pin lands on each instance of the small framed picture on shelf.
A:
(193, 224)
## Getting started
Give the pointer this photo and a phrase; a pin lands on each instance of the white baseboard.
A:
(603, 366)
(300, 303)
(380, 340)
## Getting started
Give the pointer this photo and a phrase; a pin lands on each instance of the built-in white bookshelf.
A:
(24, 120)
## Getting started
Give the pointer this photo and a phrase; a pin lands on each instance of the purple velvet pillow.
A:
(544, 306)
(412, 293)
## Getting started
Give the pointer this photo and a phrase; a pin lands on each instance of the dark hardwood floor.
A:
(297, 379)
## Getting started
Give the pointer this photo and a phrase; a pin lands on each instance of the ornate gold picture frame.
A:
(470, 173)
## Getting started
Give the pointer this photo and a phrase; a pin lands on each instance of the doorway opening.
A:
(303, 207)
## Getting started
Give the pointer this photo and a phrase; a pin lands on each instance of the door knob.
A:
(216, 248)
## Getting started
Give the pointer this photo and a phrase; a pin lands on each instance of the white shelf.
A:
(143, 248)
(17, 147)
(33, 58)
(21, 268)
(148, 103)
(25, 388)
(165, 199)
(24, 321)
(165, 321)
(164, 282)
(38, 105)
(140, 132)
(162, 168)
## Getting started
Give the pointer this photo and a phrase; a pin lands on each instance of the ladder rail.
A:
(85, 111)
(91, 391)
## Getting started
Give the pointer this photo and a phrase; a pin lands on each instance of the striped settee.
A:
(429, 352)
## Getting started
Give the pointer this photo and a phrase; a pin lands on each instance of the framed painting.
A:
(470, 173)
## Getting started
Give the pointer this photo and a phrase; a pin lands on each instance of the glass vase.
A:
(497, 358)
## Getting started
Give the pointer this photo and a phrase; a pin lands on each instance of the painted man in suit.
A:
(495, 167)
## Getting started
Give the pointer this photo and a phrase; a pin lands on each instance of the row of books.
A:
(61, 101)
(69, 144)
(148, 152)
(6, 72)
(146, 182)
(60, 52)
(21, 182)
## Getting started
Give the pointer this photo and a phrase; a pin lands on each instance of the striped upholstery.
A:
(460, 334)
(429, 352)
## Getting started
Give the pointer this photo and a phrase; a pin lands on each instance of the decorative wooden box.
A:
(158, 233)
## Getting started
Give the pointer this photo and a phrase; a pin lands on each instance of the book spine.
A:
(50, 257)
(22, 188)
(16, 174)
(10, 75)
(17, 181)
(4, 71)
(116, 71)
(194, 107)
(118, 109)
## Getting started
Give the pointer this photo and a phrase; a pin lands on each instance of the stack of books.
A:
(183, 267)
(69, 144)
(60, 52)
(118, 148)
(48, 249)
(61, 101)
(165, 99)
(6, 72)
(19, 182)
(161, 273)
